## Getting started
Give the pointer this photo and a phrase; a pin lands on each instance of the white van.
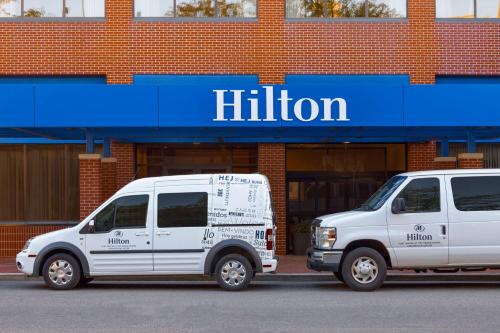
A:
(219, 225)
(438, 220)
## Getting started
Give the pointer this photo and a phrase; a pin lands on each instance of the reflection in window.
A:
(43, 8)
(195, 8)
(346, 8)
(488, 8)
(463, 9)
(154, 8)
(455, 8)
(10, 8)
(52, 8)
(237, 8)
(84, 8)
(422, 196)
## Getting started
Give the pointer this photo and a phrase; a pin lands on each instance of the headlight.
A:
(325, 237)
(27, 245)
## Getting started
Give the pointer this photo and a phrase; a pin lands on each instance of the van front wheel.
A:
(61, 272)
(234, 272)
(364, 269)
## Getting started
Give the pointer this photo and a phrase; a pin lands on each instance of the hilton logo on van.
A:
(328, 109)
(419, 228)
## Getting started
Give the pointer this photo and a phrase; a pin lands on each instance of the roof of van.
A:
(451, 172)
(149, 182)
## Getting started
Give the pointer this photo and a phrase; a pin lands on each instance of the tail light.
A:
(269, 239)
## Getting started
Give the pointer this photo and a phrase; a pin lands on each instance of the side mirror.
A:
(398, 206)
(92, 226)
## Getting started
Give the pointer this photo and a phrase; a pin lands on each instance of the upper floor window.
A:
(196, 8)
(52, 8)
(346, 8)
(464, 9)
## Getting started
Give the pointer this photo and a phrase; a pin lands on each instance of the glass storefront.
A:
(184, 159)
(325, 179)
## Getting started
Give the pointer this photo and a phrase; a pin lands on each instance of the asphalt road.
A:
(28, 306)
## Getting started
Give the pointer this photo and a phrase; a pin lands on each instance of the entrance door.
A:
(310, 196)
(419, 233)
(122, 239)
(180, 224)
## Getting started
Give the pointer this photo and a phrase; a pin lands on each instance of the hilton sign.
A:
(327, 109)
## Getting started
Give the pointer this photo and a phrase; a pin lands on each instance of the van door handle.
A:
(142, 234)
(443, 230)
(163, 233)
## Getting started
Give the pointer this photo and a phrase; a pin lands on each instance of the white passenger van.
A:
(438, 220)
(220, 225)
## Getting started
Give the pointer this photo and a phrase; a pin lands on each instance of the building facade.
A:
(326, 98)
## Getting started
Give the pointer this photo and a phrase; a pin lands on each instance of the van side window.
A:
(177, 210)
(422, 196)
(476, 193)
(125, 212)
(104, 219)
(131, 211)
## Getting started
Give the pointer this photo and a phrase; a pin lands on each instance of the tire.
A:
(370, 276)
(61, 272)
(234, 272)
(338, 276)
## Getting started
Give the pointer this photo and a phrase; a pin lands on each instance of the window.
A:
(196, 8)
(422, 196)
(104, 220)
(131, 211)
(177, 210)
(476, 193)
(51, 8)
(125, 212)
(462, 9)
(346, 8)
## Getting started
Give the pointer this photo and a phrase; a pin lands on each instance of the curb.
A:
(285, 277)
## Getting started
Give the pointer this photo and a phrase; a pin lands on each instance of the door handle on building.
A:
(163, 233)
(142, 234)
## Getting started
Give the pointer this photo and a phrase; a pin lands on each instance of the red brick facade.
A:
(90, 183)
(14, 236)
(125, 163)
(270, 46)
(108, 171)
(272, 163)
(471, 161)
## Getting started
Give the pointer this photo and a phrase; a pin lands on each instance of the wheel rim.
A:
(60, 272)
(233, 273)
(364, 270)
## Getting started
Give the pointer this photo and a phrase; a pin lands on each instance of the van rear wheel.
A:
(61, 272)
(364, 269)
(234, 272)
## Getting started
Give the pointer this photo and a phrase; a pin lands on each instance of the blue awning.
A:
(233, 112)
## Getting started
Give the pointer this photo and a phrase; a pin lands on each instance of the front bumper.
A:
(323, 260)
(25, 262)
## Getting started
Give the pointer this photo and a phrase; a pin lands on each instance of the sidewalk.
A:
(287, 265)
(293, 268)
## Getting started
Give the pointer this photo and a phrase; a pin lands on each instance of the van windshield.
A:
(380, 197)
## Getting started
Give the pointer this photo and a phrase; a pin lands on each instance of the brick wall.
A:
(420, 156)
(270, 46)
(90, 183)
(108, 176)
(14, 236)
(125, 163)
(471, 161)
(272, 163)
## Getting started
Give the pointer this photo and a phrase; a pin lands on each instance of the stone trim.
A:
(471, 156)
(89, 156)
